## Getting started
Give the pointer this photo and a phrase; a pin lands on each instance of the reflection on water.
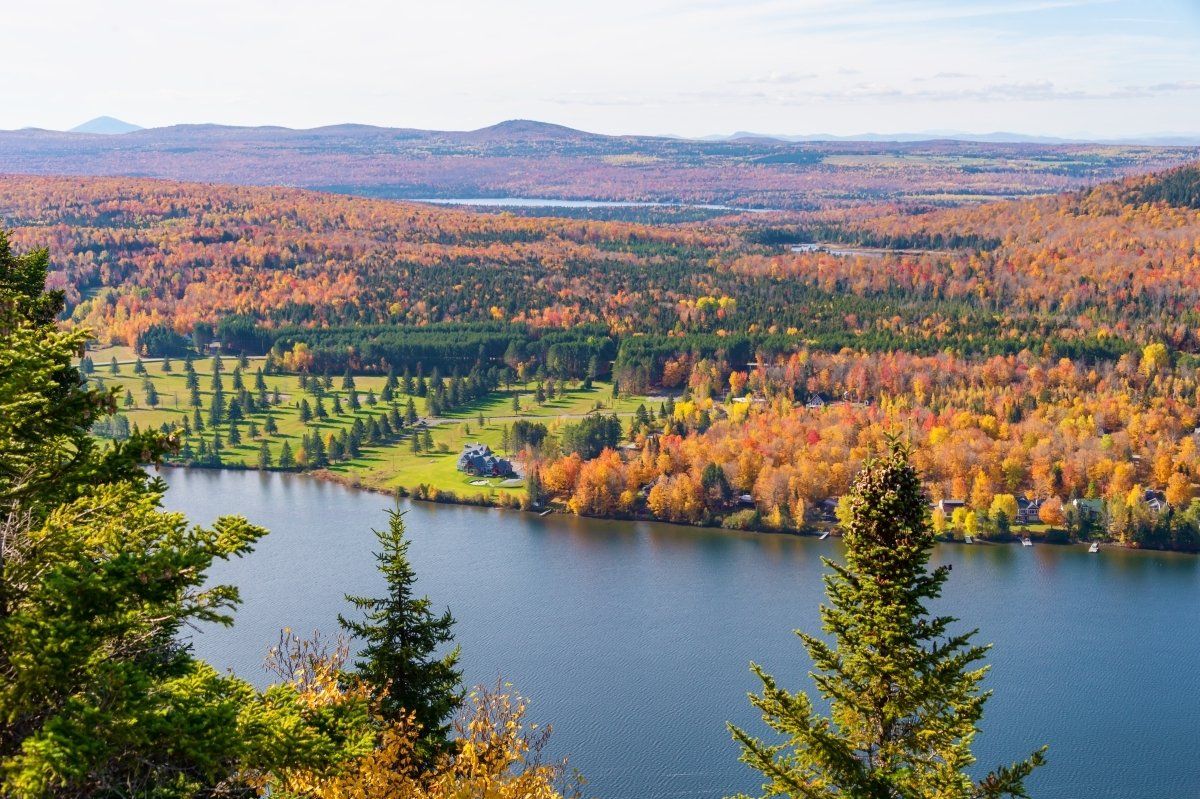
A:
(634, 638)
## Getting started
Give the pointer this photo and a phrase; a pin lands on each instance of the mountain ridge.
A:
(105, 126)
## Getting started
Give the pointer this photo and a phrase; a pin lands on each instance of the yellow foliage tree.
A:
(1154, 359)
(497, 758)
(981, 491)
(939, 522)
(1006, 504)
(1179, 490)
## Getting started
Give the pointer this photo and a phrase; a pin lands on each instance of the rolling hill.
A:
(522, 158)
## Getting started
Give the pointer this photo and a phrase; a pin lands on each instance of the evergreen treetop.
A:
(903, 690)
(402, 636)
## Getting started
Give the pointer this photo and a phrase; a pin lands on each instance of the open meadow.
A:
(392, 465)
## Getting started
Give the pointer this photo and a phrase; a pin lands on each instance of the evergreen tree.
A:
(151, 394)
(904, 693)
(166, 365)
(264, 456)
(427, 440)
(235, 435)
(269, 425)
(286, 459)
(139, 368)
(97, 696)
(400, 661)
(318, 458)
(114, 367)
(534, 489)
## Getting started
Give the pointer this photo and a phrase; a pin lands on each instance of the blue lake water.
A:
(634, 639)
(550, 202)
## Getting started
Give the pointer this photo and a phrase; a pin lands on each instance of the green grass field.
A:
(386, 467)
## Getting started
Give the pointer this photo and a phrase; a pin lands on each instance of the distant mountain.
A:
(528, 130)
(998, 137)
(108, 126)
(530, 159)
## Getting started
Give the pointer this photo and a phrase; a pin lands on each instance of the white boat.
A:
(968, 539)
(824, 535)
(1095, 547)
(546, 512)
(1025, 542)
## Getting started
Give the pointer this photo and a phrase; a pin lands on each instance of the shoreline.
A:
(448, 497)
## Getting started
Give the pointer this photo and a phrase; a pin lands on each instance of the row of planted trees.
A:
(99, 698)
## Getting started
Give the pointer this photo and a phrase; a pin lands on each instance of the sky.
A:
(1075, 68)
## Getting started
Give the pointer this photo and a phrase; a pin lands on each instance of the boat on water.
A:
(1095, 547)
(1025, 542)
(824, 535)
(968, 539)
(546, 512)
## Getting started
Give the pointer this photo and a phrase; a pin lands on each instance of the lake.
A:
(634, 639)
(551, 202)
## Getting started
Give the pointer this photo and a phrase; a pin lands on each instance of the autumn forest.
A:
(1040, 352)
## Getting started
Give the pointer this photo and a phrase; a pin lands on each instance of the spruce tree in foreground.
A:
(904, 693)
(401, 637)
(98, 696)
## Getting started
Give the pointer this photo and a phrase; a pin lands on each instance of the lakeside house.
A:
(1090, 509)
(1156, 500)
(948, 506)
(1028, 510)
(480, 461)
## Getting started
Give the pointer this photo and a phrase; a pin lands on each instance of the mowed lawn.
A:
(385, 467)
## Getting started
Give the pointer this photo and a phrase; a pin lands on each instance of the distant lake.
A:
(546, 202)
(865, 252)
(634, 639)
